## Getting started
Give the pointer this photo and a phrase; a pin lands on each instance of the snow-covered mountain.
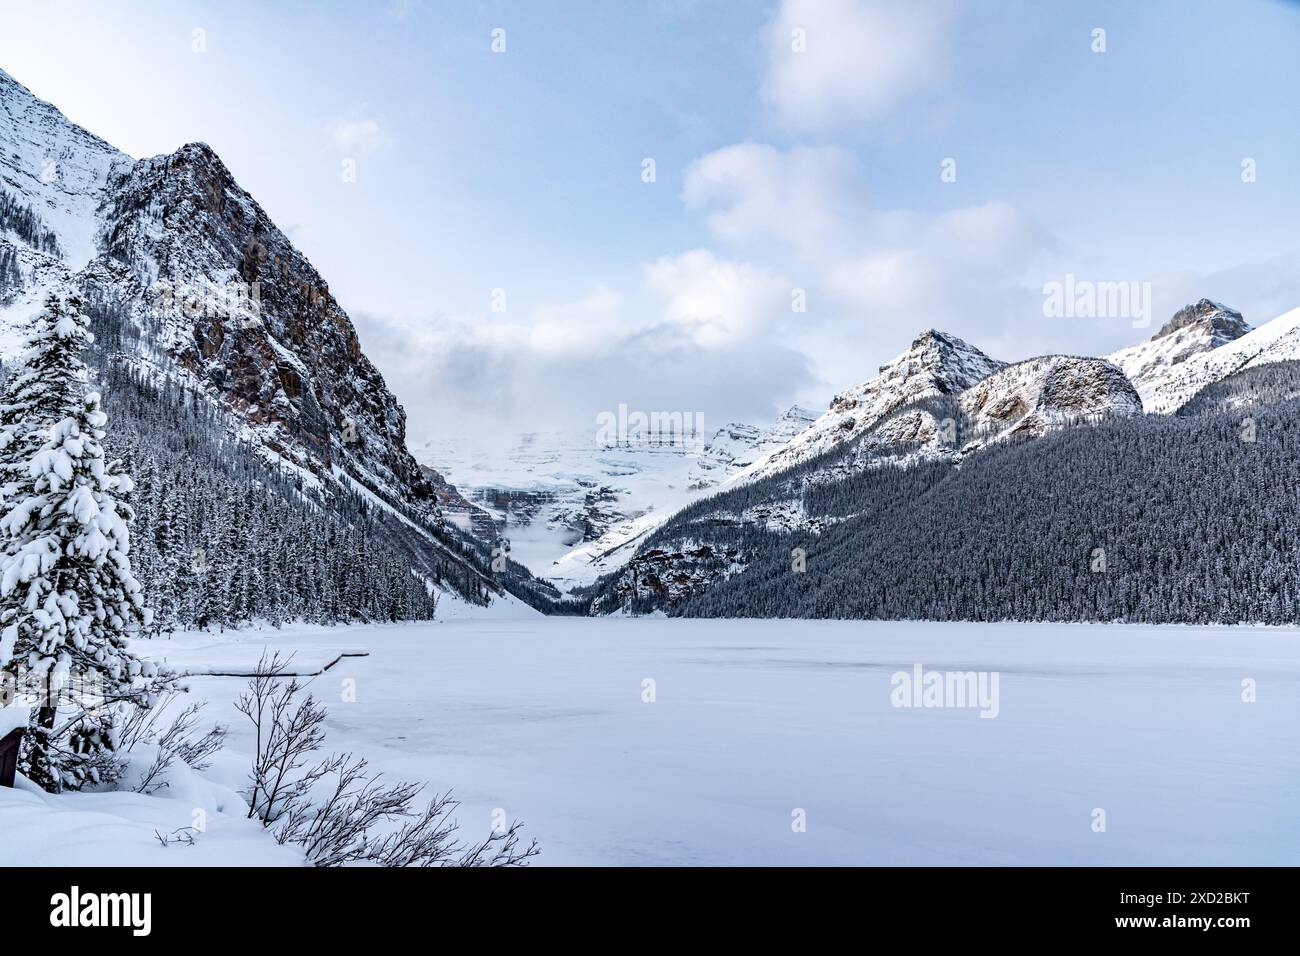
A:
(55, 168)
(1158, 368)
(1038, 395)
(569, 506)
(550, 492)
(940, 401)
(205, 290)
(1274, 341)
(1025, 399)
(737, 446)
(935, 365)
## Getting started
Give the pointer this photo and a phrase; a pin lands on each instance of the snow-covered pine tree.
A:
(67, 595)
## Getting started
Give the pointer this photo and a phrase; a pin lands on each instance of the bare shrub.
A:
(335, 808)
(288, 731)
(182, 837)
(177, 741)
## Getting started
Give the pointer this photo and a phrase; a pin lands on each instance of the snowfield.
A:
(754, 721)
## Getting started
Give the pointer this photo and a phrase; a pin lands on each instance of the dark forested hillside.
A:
(23, 222)
(1152, 519)
(223, 537)
(220, 539)
(1258, 385)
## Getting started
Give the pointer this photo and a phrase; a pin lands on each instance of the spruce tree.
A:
(68, 599)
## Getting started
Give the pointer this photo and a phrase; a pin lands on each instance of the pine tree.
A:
(67, 595)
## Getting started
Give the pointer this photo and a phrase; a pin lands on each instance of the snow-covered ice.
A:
(753, 720)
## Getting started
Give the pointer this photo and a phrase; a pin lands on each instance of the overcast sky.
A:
(797, 145)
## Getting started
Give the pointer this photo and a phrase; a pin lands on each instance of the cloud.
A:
(810, 206)
(578, 327)
(874, 277)
(401, 9)
(860, 58)
(351, 136)
(804, 198)
(714, 329)
(716, 301)
(701, 334)
(964, 271)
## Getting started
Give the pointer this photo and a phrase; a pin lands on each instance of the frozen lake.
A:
(753, 721)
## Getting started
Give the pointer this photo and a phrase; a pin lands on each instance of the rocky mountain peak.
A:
(193, 283)
(251, 320)
(1159, 368)
(1041, 394)
(936, 364)
(1223, 323)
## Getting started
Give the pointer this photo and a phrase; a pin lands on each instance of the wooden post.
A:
(9, 755)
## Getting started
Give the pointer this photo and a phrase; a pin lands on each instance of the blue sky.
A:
(775, 170)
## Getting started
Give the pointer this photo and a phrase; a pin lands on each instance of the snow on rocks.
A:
(570, 507)
(1166, 367)
(1038, 395)
(936, 364)
(1166, 386)
(55, 167)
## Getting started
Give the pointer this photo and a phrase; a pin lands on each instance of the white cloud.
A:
(580, 327)
(874, 277)
(806, 209)
(356, 135)
(862, 57)
(465, 377)
(962, 271)
(401, 9)
(805, 198)
(716, 301)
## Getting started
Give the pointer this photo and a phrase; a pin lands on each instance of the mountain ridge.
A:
(203, 288)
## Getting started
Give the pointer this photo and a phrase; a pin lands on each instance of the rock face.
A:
(239, 309)
(670, 575)
(202, 287)
(56, 168)
(1222, 323)
(936, 364)
(1157, 368)
(1038, 395)
(1190, 354)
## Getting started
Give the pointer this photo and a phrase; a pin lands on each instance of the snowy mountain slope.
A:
(55, 167)
(1006, 534)
(1275, 341)
(182, 240)
(549, 492)
(699, 547)
(569, 506)
(205, 290)
(1025, 399)
(1157, 368)
(738, 446)
(1270, 383)
(936, 364)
